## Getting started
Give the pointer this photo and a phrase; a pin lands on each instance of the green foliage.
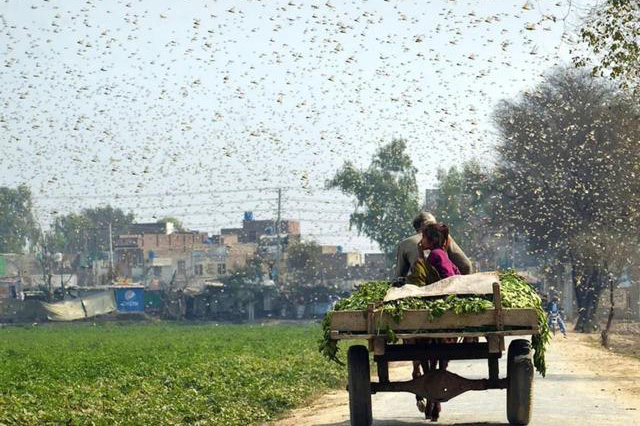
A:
(244, 284)
(303, 260)
(158, 374)
(515, 291)
(89, 229)
(71, 232)
(464, 203)
(386, 193)
(566, 175)
(612, 32)
(17, 224)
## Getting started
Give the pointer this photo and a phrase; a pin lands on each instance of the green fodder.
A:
(516, 293)
(163, 374)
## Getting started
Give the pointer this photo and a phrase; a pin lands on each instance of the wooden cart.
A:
(439, 385)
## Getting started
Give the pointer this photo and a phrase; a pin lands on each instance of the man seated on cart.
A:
(412, 267)
(408, 250)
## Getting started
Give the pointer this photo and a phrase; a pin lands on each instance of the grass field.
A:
(157, 374)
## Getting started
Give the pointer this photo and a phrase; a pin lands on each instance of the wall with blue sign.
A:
(130, 299)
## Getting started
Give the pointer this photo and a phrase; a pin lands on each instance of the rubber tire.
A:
(359, 386)
(519, 382)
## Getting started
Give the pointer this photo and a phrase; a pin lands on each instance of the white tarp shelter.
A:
(85, 307)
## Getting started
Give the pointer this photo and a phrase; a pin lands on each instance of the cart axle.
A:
(439, 385)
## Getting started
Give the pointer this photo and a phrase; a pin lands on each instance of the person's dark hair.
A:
(423, 219)
(437, 234)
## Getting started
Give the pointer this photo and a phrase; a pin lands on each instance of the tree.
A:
(245, 284)
(386, 193)
(612, 32)
(17, 223)
(567, 173)
(45, 257)
(177, 223)
(88, 231)
(463, 202)
(303, 260)
(71, 233)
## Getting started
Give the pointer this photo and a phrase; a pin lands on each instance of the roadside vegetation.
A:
(109, 373)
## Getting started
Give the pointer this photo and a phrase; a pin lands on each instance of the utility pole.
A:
(110, 252)
(278, 243)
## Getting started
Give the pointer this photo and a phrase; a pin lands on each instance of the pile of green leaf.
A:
(515, 291)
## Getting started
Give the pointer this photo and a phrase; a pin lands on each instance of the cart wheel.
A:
(520, 382)
(359, 386)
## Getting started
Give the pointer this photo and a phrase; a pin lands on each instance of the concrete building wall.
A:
(252, 230)
(216, 261)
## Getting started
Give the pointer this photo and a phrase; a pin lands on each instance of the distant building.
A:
(221, 256)
(145, 255)
(253, 230)
(375, 260)
(165, 228)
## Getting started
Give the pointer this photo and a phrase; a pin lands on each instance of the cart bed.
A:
(416, 323)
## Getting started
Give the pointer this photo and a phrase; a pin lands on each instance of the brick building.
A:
(151, 251)
(253, 230)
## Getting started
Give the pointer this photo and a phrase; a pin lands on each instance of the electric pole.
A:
(110, 252)
(278, 244)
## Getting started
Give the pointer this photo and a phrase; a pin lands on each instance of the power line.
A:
(314, 200)
(321, 211)
(166, 194)
(170, 206)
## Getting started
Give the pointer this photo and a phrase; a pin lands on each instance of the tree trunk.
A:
(605, 332)
(588, 288)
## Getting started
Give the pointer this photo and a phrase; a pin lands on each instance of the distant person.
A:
(408, 251)
(555, 314)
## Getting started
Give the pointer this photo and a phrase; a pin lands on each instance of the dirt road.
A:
(585, 385)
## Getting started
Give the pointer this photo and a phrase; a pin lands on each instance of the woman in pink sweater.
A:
(435, 237)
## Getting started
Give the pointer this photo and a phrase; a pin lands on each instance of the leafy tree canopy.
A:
(245, 283)
(612, 32)
(88, 231)
(463, 202)
(17, 223)
(567, 172)
(303, 259)
(386, 193)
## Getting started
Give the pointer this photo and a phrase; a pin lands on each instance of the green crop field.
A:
(153, 374)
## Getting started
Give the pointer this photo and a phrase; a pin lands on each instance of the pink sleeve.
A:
(441, 262)
(436, 260)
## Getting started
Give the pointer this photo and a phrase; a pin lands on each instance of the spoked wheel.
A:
(359, 386)
(520, 382)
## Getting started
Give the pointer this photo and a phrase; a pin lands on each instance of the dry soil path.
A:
(585, 385)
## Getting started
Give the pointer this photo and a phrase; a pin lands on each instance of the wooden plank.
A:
(379, 345)
(349, 321)
(356, 321)
(494, 343)
(497, 303)
(336, 335)
(371, 321)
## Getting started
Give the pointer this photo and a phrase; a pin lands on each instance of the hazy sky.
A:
(201, 109)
